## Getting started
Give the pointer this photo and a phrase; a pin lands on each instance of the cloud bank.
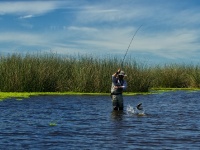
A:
(170, 29)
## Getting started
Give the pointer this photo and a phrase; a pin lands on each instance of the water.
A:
(169, 121)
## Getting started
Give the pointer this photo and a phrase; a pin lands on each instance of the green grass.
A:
(88, 74)
(22, 95)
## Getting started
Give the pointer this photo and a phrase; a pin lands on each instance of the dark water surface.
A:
(171, 121)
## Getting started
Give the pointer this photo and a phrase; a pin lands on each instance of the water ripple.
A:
(169, 121)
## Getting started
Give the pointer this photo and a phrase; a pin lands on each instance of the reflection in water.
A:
(117, 128)
(117, 114)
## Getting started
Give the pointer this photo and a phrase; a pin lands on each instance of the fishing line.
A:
(130, 45)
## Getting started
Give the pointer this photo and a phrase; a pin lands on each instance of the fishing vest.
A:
(117, 83)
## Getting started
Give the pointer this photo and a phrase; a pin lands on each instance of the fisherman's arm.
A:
(115, 74)
(114, 78)
(124, 85)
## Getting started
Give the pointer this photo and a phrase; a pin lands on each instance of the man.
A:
(117, 88)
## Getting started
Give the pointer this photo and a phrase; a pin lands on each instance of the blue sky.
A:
(170, 29)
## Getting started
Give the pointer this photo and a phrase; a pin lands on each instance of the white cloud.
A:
(27, 7)
(103, 13)
(108, 28)
(25, 17)
(81, 29)
(150, 13)
(20, 38)
(172, 45)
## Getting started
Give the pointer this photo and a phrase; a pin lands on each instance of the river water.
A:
(170, 121)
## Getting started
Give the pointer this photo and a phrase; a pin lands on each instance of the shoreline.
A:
(22, 95)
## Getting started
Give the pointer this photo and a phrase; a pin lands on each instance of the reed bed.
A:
(55, 73)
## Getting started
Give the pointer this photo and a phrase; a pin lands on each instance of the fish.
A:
(139, 106)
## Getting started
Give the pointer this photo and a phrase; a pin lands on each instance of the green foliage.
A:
(171, 76)
(54, 73)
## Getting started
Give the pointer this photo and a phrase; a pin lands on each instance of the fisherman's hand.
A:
(119, 70)
(117, 87)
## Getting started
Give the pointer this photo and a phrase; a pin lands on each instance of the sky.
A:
(169, 32)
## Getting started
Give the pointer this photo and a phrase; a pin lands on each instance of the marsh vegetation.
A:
(55, 73)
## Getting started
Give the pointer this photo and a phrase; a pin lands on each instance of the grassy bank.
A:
(23, 95)
(86, 74)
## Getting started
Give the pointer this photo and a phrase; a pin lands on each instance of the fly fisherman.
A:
(117, 88)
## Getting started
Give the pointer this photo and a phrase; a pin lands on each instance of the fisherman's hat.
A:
(122, 73)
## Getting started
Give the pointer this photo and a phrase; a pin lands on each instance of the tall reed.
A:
(52, 72)
(171, 76)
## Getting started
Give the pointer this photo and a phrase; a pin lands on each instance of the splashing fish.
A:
(139, 106)
(137, 111)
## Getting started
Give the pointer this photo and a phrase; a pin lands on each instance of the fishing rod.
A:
(130, 45)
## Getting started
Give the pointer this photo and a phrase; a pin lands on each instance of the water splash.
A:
(130, 110)
(134, 111)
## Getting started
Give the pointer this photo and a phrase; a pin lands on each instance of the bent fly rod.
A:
(130, 45)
